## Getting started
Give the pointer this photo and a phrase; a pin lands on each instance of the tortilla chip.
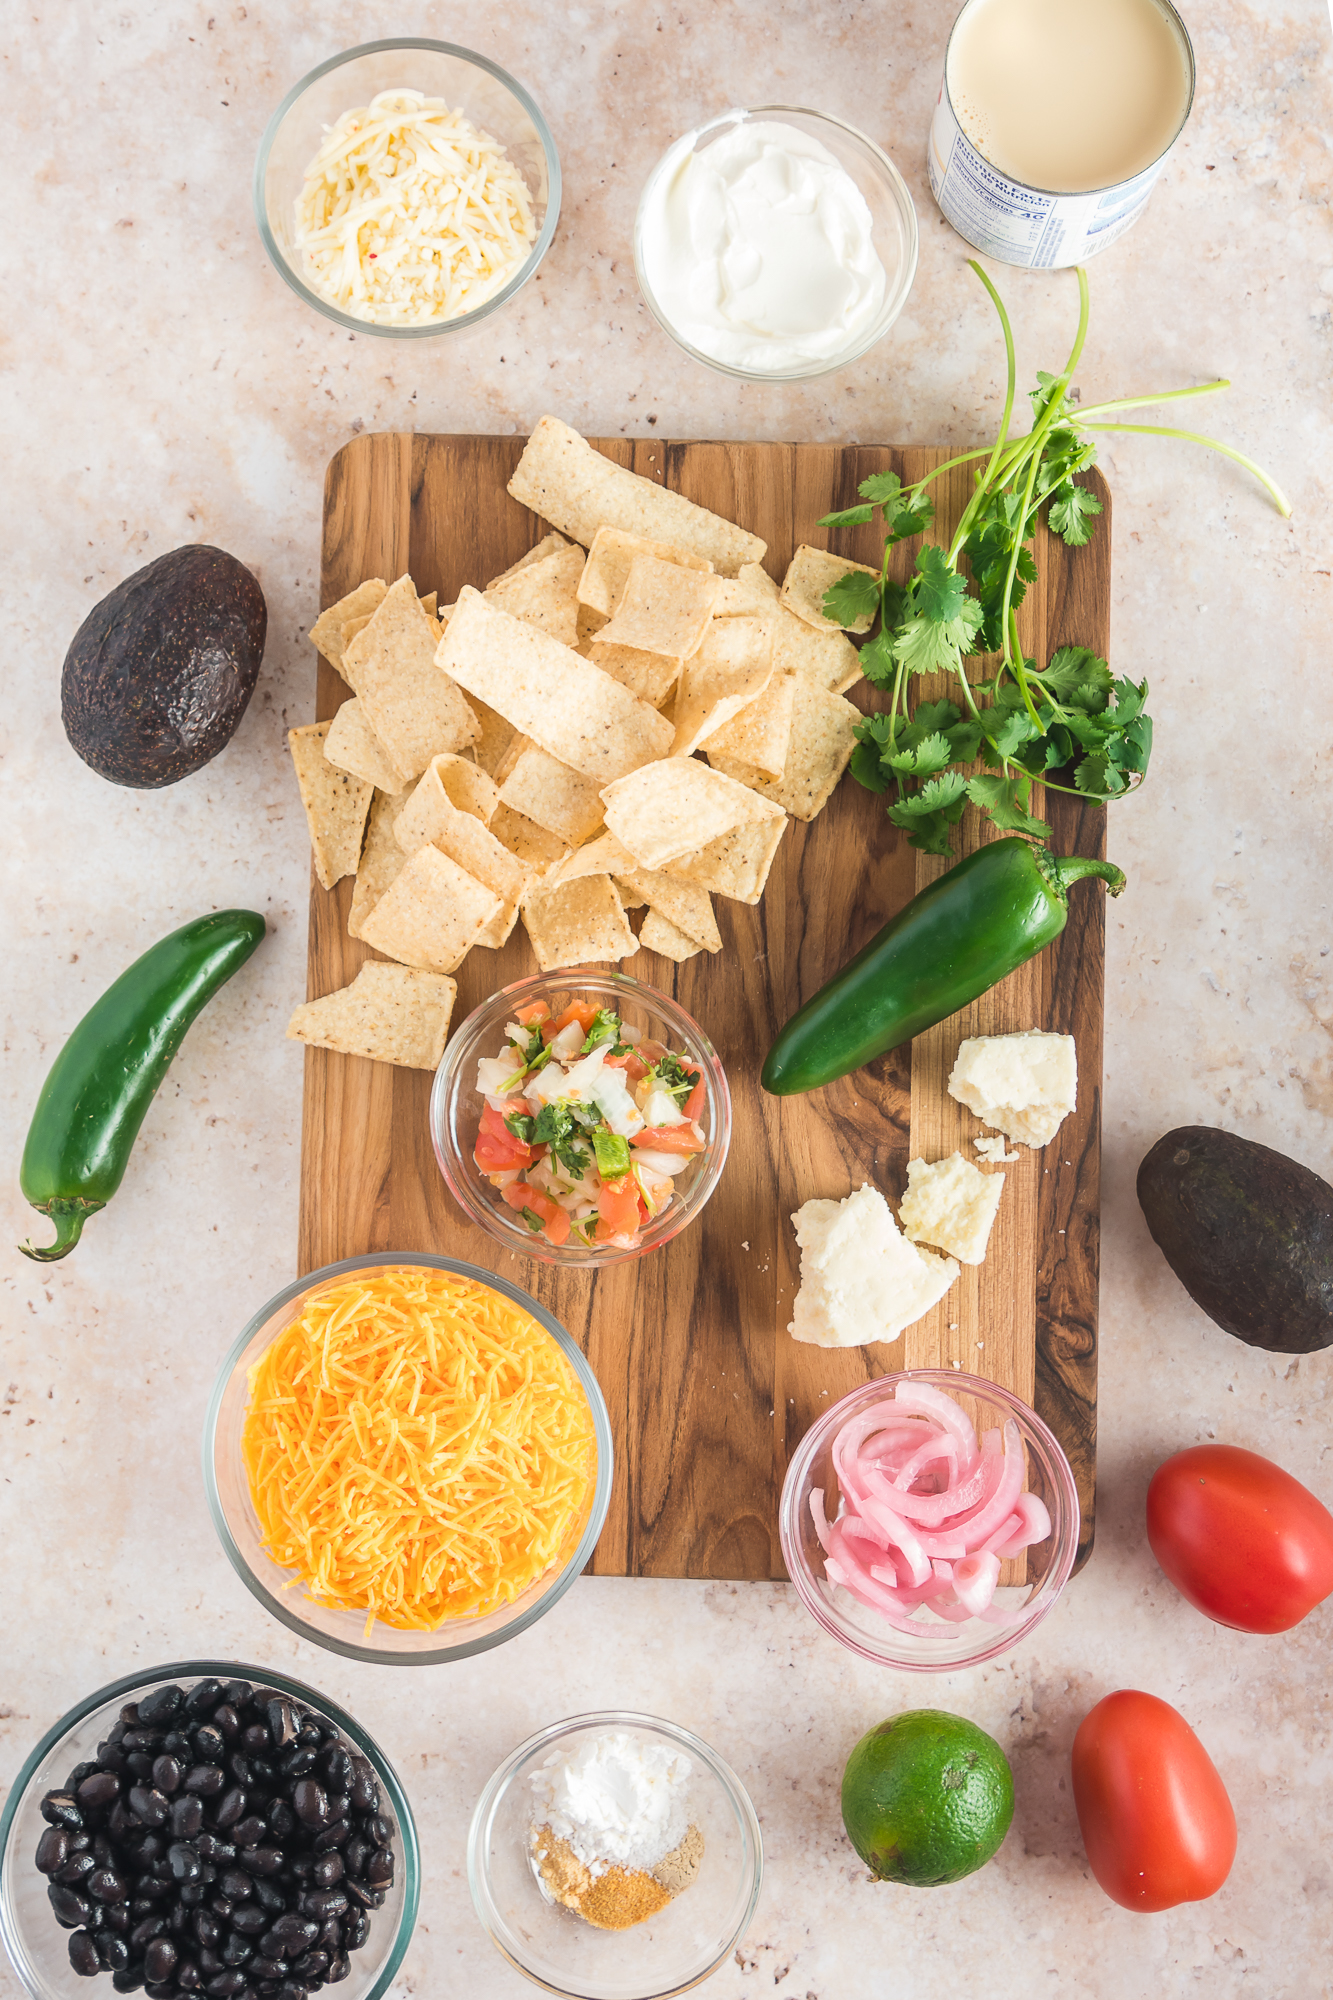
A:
(662, 608)
(819, 750)
(518, 743)
(759, 734)
(326, 632)
(432, 818)
(573, 487)
(809, 574)
(467, 787)
(352, 627)
(648, 675)
(751, 593)
(389, 1013)
(731, 669)
(570, 708)
(382, 859)
(353, 746)
(676, 806)
(554, 796)
(577, 923)
(656, 934)
(603, 856)
(825, 659)
(433, 915)
(628, 899)
(736, 864)
(336, 804)
(683, 904)
(534, 846)
(492, 746)
(430, 604)
(547, 546)
(413, 709)
(590, 624)
(606, 571)
(543, 594)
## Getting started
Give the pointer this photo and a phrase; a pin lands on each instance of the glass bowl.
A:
(894, 231)
(470, 83)
(942, 1647)
(670, 1952)
(237, 1523)
(36, 1943)
(456, 1108)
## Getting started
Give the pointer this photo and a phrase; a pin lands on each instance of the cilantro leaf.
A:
(553, 1128)
(866, 767)
(913, 520)
(877, 661)
(929, 716)
(922, 760)
(848, 517)
(523, 1125)
(1097, 775)
(1129, 701)
(928, 646)
(946, 794)
(1074, 669)
(1070, 514)
(855, 595)
(1013, 728)
(1006, 800)
(605, 1028)
(534, 1222)
(940, 590)
(881, 489)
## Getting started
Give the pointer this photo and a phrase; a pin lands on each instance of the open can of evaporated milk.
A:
(1053, 120)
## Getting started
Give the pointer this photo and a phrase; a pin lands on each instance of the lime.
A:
(927, 1797)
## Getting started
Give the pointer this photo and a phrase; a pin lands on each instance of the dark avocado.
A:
(1248, 1232)
(159, 673)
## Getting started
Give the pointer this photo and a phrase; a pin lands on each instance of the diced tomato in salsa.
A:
(527, 1017)
(498, 1149)
(618, 1208)
(555, 1222)
(694, 1103)
(669, 1139)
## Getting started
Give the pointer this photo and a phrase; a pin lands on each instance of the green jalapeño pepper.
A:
(106, 1076)
(960, 936)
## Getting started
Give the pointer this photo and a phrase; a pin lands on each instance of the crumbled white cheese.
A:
(860, 1279)
(994, 1151)
(952, 1205)
(1022, 1084)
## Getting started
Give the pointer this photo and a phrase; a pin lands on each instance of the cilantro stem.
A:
(1077, 416)
(983, 484)
(1270, 486)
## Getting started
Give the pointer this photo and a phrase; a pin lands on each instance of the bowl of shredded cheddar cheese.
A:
(408, 1460)
(407, 188)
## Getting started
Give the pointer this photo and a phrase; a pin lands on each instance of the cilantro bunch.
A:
(1023, 723)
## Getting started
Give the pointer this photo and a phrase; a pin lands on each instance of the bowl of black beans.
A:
(207, 1831)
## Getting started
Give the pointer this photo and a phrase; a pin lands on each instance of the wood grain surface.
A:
(707, 1393)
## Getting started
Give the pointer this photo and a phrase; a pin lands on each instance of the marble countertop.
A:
(161, 385)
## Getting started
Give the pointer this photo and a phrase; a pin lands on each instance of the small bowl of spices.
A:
(207, 1828)
(615, 1857)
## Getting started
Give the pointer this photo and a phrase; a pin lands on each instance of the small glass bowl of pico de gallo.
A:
(580, 1117)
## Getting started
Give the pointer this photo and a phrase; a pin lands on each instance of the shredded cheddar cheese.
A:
(409, 214)
(417, 1447)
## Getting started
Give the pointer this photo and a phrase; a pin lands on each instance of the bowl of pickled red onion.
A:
(929, 1520)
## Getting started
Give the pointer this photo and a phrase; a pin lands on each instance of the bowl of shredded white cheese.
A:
(407, 188)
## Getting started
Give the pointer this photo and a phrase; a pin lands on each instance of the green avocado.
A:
(1248, 1232)
(159, 673)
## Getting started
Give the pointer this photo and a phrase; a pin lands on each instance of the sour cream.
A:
(758, 249)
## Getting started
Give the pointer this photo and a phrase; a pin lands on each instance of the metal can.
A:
(1038, 228)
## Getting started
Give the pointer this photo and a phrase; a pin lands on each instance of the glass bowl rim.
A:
(973, 1385)
(902, 200)
(261, 1677)
(592, 1258)
(601, 1497)
(497, 1785)
(433, 328)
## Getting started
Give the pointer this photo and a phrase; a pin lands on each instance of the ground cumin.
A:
(619, 1897)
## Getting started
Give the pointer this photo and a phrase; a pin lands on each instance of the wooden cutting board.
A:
(708, 1394)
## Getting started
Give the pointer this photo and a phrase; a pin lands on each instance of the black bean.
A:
(310, 1802)
(357, 1853)
(250, 1920)
(159, 1961)
(337, 1769)
(365, 1790)
(294, 1932)
(262, 1969)
(333, 1836)
(192, 1895)
(323, 1903)
(209, 1746)
(52, 1849)
(162, 1706)
(137, 1767)
(291, 1989)
(237, 1950)
(83, 1954)
(162, 1991)
(76, 1868)
(167, 1775)
(142, 1739)
(356, 1929)
(239, 1766)
(282, 1820)
(327, 1870)
(207, 1928)
(237, 1693)
(264, 1860)
(330, 1937)
(338, 1968)
(113, 1951)
(145, 1931)
(205, 1779)
(150, 1889)
(119, 1824)
(71, 1910)
(211, 1848)
(102, 1850)
(187, 1815)
(255, 1739)
(188, 1974)
(210, 1961)
(379, 1868)
(107, 1886)
(298, 1761)
(77, 1776)
(263, 1772)
(248, 1832)
(176, 1742)
(100, 1788)
(361, 1892)
(234, 1882)
(312, 1966)
(310, 1732)
(203, 1697)
(227, 1722)
(301, 1868)
(282, 1723)
(110, 1757)
(224, 1984)
(184, 1862)
(148, 1805)
(62, 1809)
(178, 1919)
(378, 1828)
(270, 1897)
(80, 1842)
(230, 1807)
(128, 1979)
(221, 1906)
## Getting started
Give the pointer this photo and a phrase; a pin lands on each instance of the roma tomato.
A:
(1155, 1817)
(1241, 1540)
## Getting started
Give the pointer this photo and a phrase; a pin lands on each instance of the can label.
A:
(1017, 224)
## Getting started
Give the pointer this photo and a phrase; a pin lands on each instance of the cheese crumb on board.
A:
(952, 1205)
(994, 1151)
(861, 1280)
(1023, 1085)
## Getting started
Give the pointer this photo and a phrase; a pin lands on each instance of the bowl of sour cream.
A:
(775, 244)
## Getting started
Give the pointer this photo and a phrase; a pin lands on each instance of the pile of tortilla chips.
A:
(535, 750)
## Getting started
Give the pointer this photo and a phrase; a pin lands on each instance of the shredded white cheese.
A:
(409, 214)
